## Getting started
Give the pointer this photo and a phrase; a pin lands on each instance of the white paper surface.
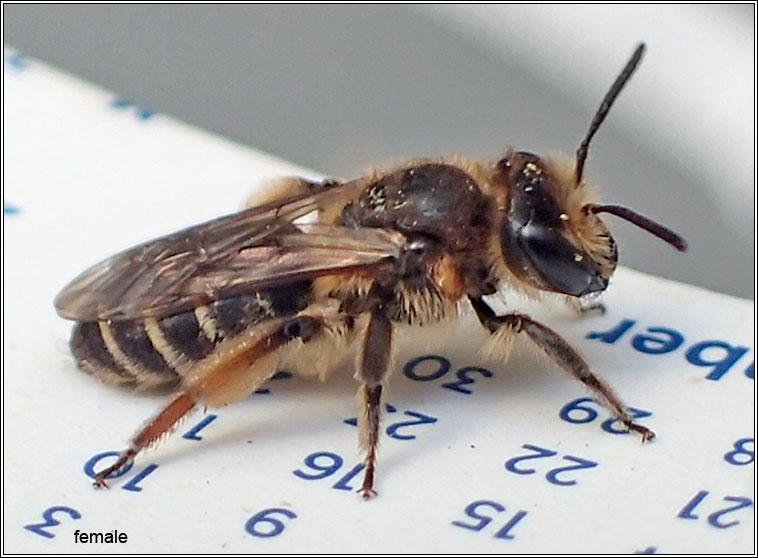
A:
(86, 177)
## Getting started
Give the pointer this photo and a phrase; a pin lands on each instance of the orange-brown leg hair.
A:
(562, 353)
(156, 428)
(229, 379)
(374, 365)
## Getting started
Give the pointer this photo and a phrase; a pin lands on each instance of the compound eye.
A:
(558, 263)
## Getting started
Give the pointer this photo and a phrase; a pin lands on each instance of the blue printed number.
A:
(718, 518)
(473, 511)
(418, 418)
(50, 521)
(393, 430)
(193, 433)
(552, 476)
(412, 368)
(141, 112)
(17, 61)
(579, 411)
(741, 455)
(464, 378)
(510, 465)
(419, 370)
(324, 464)
(264, 524)
(132, 485)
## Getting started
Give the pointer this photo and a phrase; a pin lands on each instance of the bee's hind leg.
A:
(163, 423)
(562, 353)
(219, 380)
(374, 364)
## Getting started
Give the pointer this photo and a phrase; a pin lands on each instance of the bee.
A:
(209, 313)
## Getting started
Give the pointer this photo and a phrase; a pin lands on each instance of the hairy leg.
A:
(229, 376)
(562, 353)
(374, 365)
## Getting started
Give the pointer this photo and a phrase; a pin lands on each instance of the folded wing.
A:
(240, 253)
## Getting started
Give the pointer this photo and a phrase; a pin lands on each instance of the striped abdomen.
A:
(155, 354)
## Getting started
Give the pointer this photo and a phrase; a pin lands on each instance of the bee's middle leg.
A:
(374, 364)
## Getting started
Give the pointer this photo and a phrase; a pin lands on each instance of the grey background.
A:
(339, 88)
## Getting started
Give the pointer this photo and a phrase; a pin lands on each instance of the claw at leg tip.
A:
(367, 493)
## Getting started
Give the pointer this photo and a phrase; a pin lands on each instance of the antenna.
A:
(642, 222)
(605, 106)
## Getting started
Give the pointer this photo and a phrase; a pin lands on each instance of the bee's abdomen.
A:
(144, 355)
(155, 354)
(94, 356)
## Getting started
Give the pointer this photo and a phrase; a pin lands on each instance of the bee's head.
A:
(547, 239)
(550, 233)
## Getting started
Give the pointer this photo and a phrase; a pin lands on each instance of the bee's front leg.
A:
(374, 364)
(586, 305)
(562, 353)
